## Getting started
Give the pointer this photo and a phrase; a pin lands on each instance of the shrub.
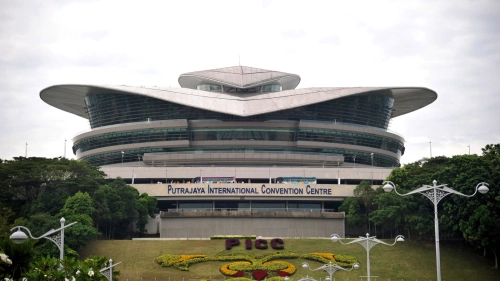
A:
(223, 237)
(328, 256)
(345, 261)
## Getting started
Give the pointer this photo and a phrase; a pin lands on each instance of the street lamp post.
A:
(19, 236)
(372, 169)
(330, 268)
(107, 272)
(368, 243)
(435, 193)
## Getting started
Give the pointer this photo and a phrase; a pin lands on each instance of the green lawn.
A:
(409, 260)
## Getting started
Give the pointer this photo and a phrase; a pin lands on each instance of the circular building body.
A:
(240, 124)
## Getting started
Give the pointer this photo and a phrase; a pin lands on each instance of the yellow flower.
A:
(328, 256)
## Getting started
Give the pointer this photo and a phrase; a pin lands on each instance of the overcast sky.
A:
(451, 47)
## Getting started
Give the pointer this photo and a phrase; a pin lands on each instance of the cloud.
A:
(293, 34)
(449, 47)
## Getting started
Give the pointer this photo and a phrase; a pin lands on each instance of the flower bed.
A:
(242, 264)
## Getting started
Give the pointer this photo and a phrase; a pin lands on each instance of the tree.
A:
(365, 194)
(34, 185)
(146, 206)
(6, 215)
(352, 208)
(476, 219)
(358, 207)
(491, 150)
(117, 205)
(401, 213)
(120, 199)
(79, 208)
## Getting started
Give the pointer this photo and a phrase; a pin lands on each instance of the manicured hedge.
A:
(219, 237)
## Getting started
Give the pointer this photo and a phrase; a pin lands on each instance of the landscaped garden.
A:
(409, 260)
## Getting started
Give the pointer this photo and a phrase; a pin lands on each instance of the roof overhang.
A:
(71, 98)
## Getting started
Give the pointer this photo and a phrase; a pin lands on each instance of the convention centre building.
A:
(241, 150)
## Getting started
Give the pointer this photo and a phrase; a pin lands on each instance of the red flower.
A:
(259, 274)
(283, 273)
(238, 274)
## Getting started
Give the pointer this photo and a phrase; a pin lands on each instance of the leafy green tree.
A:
(352, 207)
(357, 208)
(41, 185)
(491, 150)
(409, 214)
(80, 203)
(475, 218)
(120, 199)
(6, 215)
(38, 225)
(117, 205)
(102, 212)
(146, 207)
(365, 194)
(79, 208)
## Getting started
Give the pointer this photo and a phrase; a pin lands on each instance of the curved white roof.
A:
(239, 77)
(70, 98)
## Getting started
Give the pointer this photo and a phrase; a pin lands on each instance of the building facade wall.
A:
(265, 226)
(203, 143)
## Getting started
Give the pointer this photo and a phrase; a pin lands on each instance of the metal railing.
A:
(308, 210)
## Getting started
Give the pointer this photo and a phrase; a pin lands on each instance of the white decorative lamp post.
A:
(19, 236)
(367, 243)
(435, 193)
(107, 272)
(330, 268)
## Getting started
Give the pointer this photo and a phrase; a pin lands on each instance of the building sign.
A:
(276, 243)
(249, 190)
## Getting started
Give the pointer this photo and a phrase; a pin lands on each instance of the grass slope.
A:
(409, 260)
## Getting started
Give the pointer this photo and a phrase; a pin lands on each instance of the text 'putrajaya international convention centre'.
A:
(241, 150)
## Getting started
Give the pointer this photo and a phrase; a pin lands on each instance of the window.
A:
(209, 87)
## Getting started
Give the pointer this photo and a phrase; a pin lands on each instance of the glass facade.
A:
(372, 110)
(350, 156)
(228, 89)
(256, 206)
(328, 136)
(195, 205)
(271, 88)
(301, 206)
(265, 206)
(352, 138)
(243, 134)
(232, 205)
(209, 87)
(142, 136)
